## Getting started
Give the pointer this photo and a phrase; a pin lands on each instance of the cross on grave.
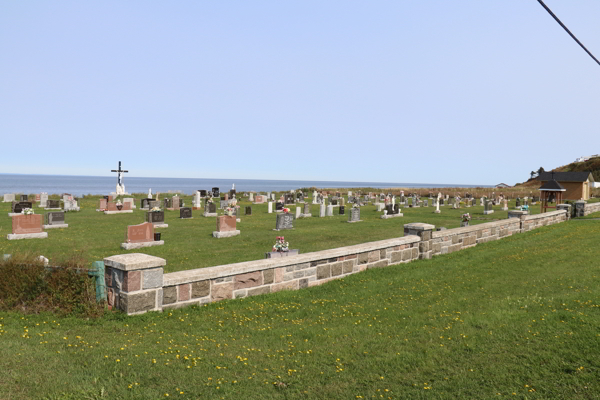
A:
(120, 172)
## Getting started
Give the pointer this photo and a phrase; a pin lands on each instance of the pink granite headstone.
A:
(140, 233)
(23, 224)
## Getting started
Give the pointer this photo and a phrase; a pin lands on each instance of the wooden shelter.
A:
(551, 191)
(576, 184)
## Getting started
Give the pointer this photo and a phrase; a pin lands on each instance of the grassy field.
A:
(516, 318)
(189, 243)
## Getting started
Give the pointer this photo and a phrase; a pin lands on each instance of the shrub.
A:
(26, 285)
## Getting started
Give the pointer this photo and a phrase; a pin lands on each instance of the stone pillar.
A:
(580, 208)
(134, 282)
(566, 207)
(423, 231)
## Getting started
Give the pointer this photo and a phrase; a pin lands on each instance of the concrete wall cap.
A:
(419, 226)
(134, 261)
(544, 215)
(475, 228)
(200, 274)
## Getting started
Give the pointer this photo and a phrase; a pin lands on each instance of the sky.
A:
(457, 92)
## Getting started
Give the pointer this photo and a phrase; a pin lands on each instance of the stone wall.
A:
(136, 283)
(591, 208)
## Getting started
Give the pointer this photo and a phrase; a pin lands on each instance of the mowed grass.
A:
(516, 318)
(189, 243)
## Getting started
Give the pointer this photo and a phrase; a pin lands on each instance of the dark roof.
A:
(552, 186)
(567, 176)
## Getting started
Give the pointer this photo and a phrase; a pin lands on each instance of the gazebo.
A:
(551, 191)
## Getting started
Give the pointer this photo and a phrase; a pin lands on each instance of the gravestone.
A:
(278, 206)
(289, 198)
(215, 192)
(202, 193)
(354, 215)
(330, 210)
(102, 204)
(298, 212)
(168, 203)
(226, 227)
(27, 227)
(248, 210)
(518, 204)
(260, 199)
(53, 204)
(270, 207)
(185, 213)
(300, 197)
(43, 200)
(306, 212)
(24, 197)
(342, 210)
(176, 203)
(155, 217)
(138, 236)
(210, 210)
(425, 203)
(70, 204)
(284, 221)
(153, 203)
(251, 197)
(322, 210)
(9, 197)
(488, 207)
(55, 220)
(145, 203)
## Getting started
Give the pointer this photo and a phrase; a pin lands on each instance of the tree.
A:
(540, 171)
(533, 174)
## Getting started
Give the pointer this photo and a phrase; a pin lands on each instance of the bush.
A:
(26, 285)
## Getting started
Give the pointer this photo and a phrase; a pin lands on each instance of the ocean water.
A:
(83, 185)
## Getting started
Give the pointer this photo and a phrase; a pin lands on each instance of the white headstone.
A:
(197, 200)
(322, 210)
(149, 193)
(330, 210)
(298, 212)
(270, 207)
(437, 204)
(251, 198)
(43, 199)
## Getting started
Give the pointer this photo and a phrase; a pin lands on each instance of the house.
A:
(502, 185)
(577, 184)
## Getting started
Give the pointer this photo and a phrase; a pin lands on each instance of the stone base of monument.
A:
(131, 246)
(50, 209)
(118, 212)
(14, 214)
(115, 194)
(100, 210)
(17, 236)
(73, 209)
(210, 214)
(388, 216)
(488, 212)
(226, 234)
(305, 215)
(437, 211)
(351, 222)
(55, 226)
(161, 225)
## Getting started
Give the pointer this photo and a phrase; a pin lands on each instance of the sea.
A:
(102, 185)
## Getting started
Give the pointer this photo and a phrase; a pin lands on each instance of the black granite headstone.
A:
(185, 212)
(248, 210)
(342, 210)
(55, 218)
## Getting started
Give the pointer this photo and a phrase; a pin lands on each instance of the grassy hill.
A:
(592, 165)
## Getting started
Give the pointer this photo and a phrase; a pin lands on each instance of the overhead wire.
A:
(568, 31)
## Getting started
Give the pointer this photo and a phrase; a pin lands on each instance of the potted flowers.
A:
(119, 205)
(281, 248)
(465, 220)
(27, 211)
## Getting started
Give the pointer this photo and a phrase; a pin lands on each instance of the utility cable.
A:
(568, 31)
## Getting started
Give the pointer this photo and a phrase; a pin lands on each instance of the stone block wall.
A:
(529, 222)
(451, 240)
(591, 208)
(136, 283)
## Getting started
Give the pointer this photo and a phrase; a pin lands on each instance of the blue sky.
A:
(473, 92)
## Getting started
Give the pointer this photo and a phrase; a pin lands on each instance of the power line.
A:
(568, 31)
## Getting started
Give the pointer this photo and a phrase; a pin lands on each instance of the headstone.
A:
(518, 204)
(354, 215)
(425, 203)
(248, 210)
(24, 197)
(330, 210)
(145, 202)
(289, 198)
(185, 213)
(43, 199)
(26, 224)
(488, 207)
(155, 217)
(278, 206)
(140, 233)
(202, 193)
(342, 210)
(251, 197)
(306, 211)
(176, 205)
(437, 203)
(9, 197)
(211, 208)
(153, 203)
(505, 207)
(270, 207)
(197, 202)
(55, 218)
(168, 203)
(102, 204)
(298, 212)
(70, 204)
(53, 203)
(322, 210)
(226, 223)
(284, 221)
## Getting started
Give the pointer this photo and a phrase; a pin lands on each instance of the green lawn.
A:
(189, 243)
(515, 318)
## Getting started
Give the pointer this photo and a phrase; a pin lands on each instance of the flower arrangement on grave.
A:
(286, 210)
(209, 200)
(231, 208)
(281, 245)
(27, 211)
(356, 205)
(466, 217)
(155, 209)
